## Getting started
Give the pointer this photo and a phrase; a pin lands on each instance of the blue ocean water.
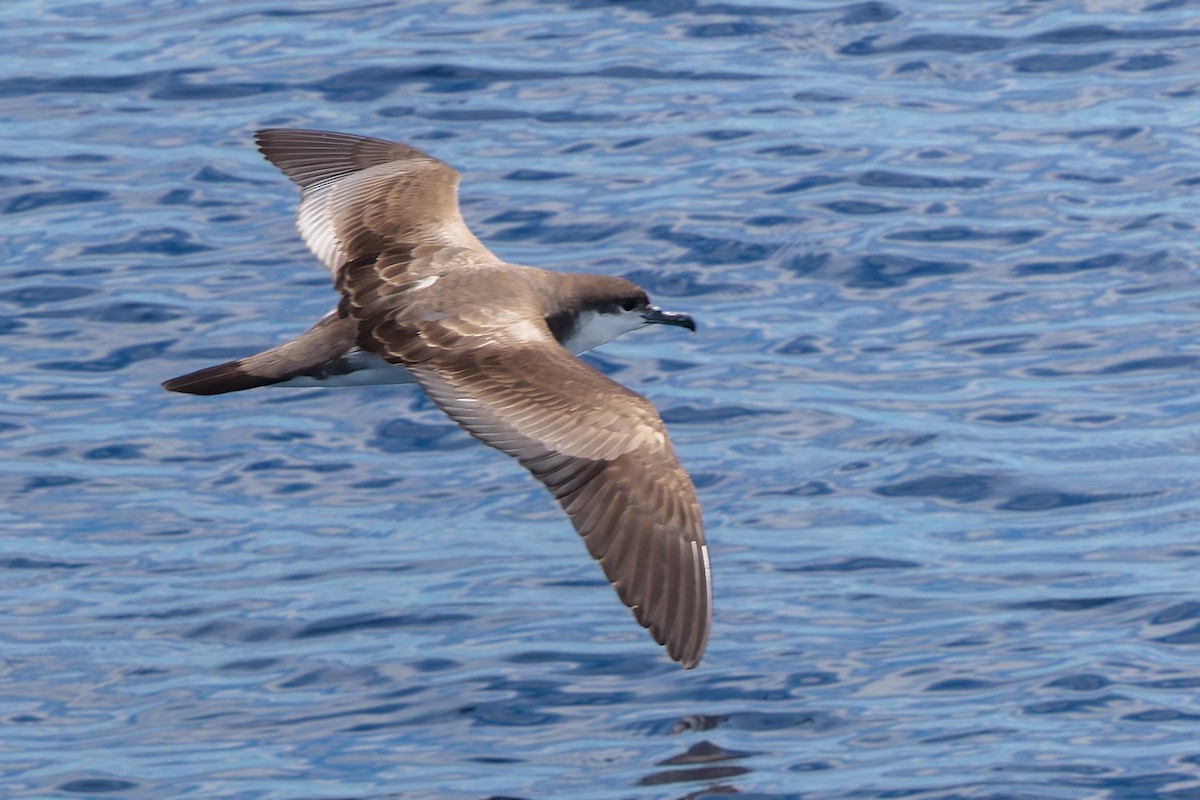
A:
(941, 410)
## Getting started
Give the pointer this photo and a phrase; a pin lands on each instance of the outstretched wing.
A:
(361, 196)
(601, 449)
(609, 464)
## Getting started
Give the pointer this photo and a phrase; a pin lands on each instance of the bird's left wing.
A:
(360, 196)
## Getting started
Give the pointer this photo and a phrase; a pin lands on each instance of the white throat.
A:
(593, 329)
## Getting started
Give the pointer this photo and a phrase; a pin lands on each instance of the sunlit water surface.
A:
(941, 410)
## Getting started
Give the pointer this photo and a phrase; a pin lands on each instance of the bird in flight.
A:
(493, 345)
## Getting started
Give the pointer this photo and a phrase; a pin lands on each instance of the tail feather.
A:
(317, 351)
(228, 377)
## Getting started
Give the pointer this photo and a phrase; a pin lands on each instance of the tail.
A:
(308, 354)
(232, 376)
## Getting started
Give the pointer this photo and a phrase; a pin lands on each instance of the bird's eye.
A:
(630, 304)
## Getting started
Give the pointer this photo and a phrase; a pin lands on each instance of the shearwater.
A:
(493, 345)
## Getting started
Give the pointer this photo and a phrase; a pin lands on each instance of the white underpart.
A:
(368, 370)
(594, 329)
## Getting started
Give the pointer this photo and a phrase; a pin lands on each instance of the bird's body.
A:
(493, 344)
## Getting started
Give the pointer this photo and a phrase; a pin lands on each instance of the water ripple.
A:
(939, 409)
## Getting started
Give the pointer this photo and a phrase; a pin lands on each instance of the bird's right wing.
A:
(601, 449)
(608, 462)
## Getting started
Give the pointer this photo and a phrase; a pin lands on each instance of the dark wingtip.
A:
(265, 139)
(221, 379)
(263, 136)
(690, 652)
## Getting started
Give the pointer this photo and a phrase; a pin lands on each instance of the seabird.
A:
(493, 344)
